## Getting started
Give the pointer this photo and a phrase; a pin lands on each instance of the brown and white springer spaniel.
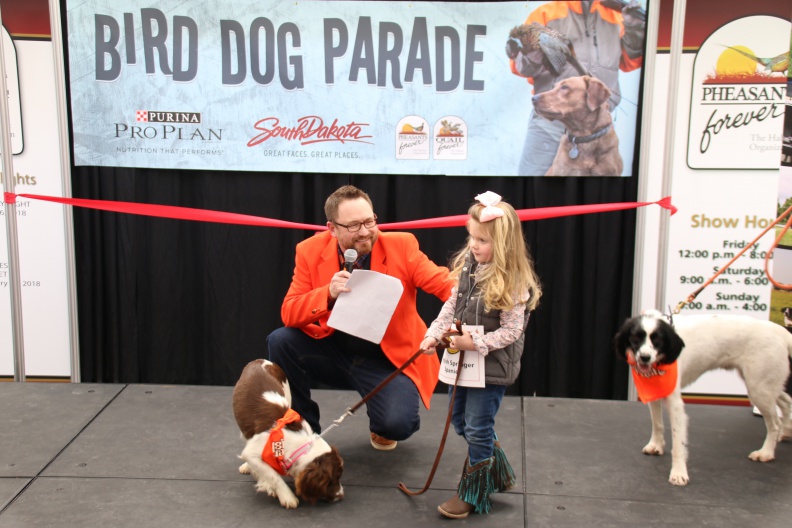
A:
(262, 408)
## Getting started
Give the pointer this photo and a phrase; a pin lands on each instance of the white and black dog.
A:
(758, 350)
(262, 408)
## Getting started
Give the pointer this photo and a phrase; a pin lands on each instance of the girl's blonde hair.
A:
(511, 271)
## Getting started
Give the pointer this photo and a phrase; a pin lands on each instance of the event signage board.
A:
(310, 86)
(725, 171)
(41, 227)
(736, 111)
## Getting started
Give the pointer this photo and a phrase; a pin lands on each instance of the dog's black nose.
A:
(644, 358)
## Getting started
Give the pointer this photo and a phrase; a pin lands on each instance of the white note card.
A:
(366, 310)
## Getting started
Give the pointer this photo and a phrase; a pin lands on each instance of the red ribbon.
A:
(205, 215)
(172, 211)
(540, 213)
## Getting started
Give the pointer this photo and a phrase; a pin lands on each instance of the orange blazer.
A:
(395, 254)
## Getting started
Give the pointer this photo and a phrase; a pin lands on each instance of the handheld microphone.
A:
(350, 256)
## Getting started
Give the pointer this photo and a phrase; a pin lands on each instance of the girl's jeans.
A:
(474, 418)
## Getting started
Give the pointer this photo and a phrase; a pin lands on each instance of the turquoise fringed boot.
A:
(503, 478)
(473, 492)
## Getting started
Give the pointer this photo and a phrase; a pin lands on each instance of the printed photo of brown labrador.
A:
(589, 146)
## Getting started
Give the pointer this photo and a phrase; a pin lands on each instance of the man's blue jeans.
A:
(392, 412)
(474, 418)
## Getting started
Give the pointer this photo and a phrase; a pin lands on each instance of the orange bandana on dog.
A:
(655, 385)
(274, 450)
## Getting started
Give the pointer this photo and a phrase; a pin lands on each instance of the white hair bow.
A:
(489, 200)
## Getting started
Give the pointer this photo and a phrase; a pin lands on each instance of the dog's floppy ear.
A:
(311, 484)
(672, 343)
(320, 479)
(621, 341)
(596, 93)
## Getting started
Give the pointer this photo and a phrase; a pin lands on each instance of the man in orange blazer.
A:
(310, 351)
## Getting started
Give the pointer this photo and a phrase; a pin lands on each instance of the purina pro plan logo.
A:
(737, 99)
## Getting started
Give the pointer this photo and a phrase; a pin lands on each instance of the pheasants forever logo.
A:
(412, 138)
(737, 98)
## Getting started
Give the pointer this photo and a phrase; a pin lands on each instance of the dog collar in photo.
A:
(275, 449)
(573, 152)
(655, 384)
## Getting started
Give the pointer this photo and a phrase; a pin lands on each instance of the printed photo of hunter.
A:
(571, 54)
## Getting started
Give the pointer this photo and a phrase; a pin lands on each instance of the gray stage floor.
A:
(91, 455)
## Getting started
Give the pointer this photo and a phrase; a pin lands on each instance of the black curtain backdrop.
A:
(178, 302)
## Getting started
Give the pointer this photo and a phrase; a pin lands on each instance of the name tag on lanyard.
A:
(472, 369)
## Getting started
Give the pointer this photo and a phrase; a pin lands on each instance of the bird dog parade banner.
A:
(353, 87)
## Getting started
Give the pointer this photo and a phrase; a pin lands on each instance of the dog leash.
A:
(445, 434)
(351, 410)
(443, 344)
(769, 255)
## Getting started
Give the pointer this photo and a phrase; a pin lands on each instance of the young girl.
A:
(496, 288)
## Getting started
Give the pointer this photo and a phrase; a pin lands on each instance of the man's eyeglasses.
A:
(354, 227)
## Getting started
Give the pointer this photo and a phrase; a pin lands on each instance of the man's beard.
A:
(365, 246)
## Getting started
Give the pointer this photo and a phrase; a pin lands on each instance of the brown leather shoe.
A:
(382, 444)
(455, 508)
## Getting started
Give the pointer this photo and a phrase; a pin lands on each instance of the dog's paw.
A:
(244, 469)
(678, 478)
(653, 448)
(288, 500)
(264, 487)
(762, 456)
